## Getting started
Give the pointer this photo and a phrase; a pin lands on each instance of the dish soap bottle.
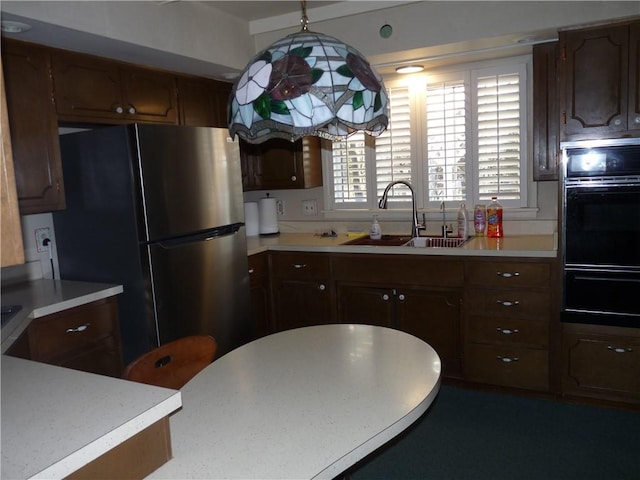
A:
(376, 232)
(494, 219)
(463, 220)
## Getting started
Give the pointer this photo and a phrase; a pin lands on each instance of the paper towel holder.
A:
(268, 213)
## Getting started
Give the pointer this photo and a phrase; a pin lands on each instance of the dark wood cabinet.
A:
(600, 81)
(546, 112)
(203, 102)
(508, 309)
(91, 89)
(260, 303)
(601, 362)
(420, 296)
(34, 128)
(281, 164)
(84, 338)
(302, 290)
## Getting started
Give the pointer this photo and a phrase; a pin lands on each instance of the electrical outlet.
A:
(42, 234)
(280, 207)
(309, 207)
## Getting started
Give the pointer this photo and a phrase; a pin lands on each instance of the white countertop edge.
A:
(95, 449)
(76, 302)
(382, 438)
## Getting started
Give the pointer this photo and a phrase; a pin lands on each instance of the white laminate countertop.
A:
(44, 297)
(301, 404)
(56, 420)
(541, 246)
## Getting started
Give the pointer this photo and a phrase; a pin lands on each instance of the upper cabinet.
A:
(90, 89)
(34, 128)
(600, 81)
(281, 164)
(203, 102)
(546, 119)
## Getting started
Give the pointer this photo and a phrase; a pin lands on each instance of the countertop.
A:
(44, 297)
(56, 420)
(543, 246)
(303, 403)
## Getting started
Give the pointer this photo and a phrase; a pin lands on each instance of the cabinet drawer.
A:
(72, 330)
(515, 303)
(507, 331)
(299, 265)
(508, 274)
(507, 366)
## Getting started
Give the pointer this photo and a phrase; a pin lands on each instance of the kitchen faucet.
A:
(445, 229)
(415, 230)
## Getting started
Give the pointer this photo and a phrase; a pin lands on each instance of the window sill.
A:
(528, 213)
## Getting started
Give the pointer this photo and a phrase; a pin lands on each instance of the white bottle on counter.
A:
(375, 233)
(463, 222)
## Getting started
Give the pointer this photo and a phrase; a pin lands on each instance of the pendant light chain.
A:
(304, 21)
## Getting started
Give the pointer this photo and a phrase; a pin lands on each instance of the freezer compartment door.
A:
(200, 287)
(189, 178)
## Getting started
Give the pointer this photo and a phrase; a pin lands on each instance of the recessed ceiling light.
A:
(410, 69)
(9, 26)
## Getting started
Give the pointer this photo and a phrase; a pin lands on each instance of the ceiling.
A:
(251, 11)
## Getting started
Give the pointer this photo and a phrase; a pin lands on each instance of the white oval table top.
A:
(304, 403)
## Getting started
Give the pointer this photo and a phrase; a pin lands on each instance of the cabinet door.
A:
(433, 316)
(34, 128)
(596, 74)
(365, 304)
(301, 303)
(203, 103)
(149, 96)
(86, 87)
(546, 115)
(273, 164)
(634, 76)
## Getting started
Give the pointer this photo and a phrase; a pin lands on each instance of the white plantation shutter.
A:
(393, 147)
(446, 114)
(349, 171)
(499, 132)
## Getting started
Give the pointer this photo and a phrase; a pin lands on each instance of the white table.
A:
(304, 403)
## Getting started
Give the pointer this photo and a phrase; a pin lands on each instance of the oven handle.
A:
(604, 279)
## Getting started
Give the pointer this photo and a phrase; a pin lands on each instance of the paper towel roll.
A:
(268, 216)
(251, 218)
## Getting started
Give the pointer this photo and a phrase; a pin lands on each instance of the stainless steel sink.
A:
(436, 242)
(385, 241)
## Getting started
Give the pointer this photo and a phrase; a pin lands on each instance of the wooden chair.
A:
(173, 364)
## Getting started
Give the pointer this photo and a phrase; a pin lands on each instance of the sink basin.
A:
(385, 241)
(436, 242)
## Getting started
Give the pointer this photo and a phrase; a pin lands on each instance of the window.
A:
(457, 136)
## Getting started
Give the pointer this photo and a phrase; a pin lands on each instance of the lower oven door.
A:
(600, 296)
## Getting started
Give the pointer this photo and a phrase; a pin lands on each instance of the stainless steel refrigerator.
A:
(158, 209)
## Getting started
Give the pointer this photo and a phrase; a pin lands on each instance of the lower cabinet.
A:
(508, 310)
(601, 362)
(84, 338)
(420, 296)
(302, 292)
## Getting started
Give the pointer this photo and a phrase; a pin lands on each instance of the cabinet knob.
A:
(619, 349)
(507, 359)
(385, 297)
(636, 120)
(322, 287)
(401, 297)
(131, 110)
(617, 122)
(119, 109)
(508, 274)
(81, 328)
(508, 303)
(251, 270)
(507, 331)
(294, 178)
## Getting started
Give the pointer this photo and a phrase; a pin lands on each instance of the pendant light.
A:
(307, 84)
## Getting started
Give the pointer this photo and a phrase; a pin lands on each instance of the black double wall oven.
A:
(601, 232)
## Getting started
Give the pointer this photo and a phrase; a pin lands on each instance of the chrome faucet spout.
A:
(416, 226)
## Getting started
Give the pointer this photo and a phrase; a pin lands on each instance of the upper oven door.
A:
(602, 224)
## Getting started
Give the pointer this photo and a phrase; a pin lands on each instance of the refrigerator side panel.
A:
(201, 287)
(97, 235)
(190, 179)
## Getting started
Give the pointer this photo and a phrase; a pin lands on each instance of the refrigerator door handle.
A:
(207, 235)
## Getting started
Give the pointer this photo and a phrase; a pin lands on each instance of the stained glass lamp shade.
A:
(307, 84)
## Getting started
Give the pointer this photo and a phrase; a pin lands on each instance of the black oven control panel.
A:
(602, 158)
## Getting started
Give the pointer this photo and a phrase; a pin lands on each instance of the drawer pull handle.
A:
(507, 331)
(507, 359)
(508, 274)
(619, 349)
(298, 266)
(508, 303)
(81, 328)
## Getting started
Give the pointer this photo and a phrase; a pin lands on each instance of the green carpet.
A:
(475, 435)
